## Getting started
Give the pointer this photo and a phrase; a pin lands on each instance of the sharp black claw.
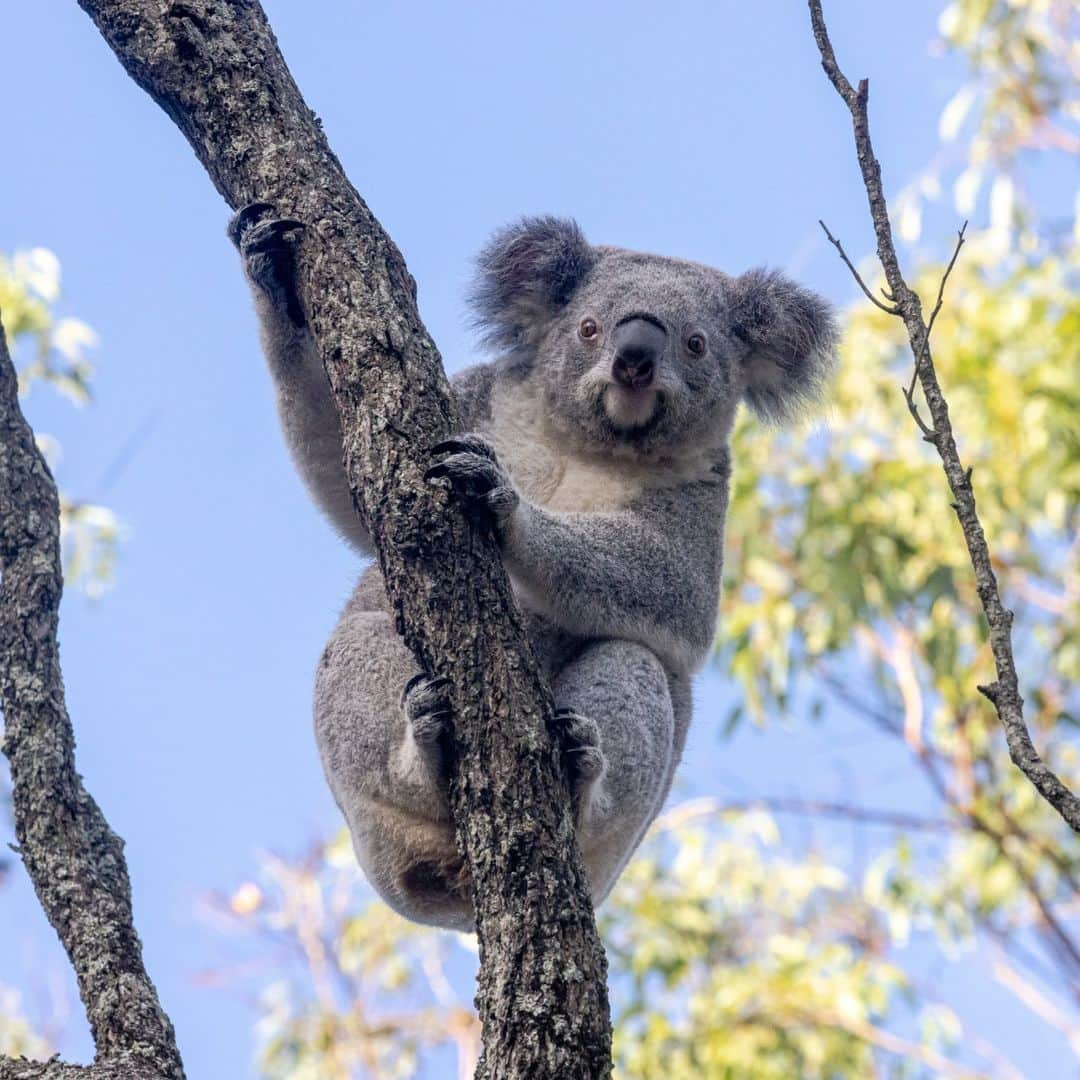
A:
(286, 224)
(269, 236)
(419, 677)
(253, 219)
(438, 682)
(461, 444)
(245, 217)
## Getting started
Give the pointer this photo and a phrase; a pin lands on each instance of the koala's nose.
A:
(639, 344)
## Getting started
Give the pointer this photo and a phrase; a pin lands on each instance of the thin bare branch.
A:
(75, 861)
(894, 1044)
(855, 273)
(945, 278)
(1037, 1002)
(710, 807)
(929, 434)
(1004, 692)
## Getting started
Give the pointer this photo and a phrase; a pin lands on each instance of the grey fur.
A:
(609, 504)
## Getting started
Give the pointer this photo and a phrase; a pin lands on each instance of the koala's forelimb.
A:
(615, 575)
(305, 402)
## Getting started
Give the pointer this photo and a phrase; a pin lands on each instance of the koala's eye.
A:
(588, 328)
(696, 344)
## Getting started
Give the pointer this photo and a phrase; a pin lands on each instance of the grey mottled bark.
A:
(215, 68)
(75, 861)
(904, 302)
(124, 1067)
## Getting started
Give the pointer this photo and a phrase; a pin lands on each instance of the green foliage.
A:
(52, 351)
(771, 967)
(1022, 92)
(730, 960)
(854, 561)
(17, 1035)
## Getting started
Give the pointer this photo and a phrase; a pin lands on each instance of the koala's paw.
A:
(579, 739)
(476, 477)
(427, 707)
(267, 246)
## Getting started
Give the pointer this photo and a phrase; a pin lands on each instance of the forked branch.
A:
(1004, 691)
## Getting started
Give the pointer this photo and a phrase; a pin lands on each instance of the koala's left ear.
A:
(792, 334)
(525, 275)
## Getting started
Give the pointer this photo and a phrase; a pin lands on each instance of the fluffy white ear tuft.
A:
(525, 274)
(792, 335)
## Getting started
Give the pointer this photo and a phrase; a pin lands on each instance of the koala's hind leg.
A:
(380, 725)
(623, 689)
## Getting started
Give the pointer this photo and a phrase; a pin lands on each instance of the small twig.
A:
(945, 277)
(929, 434)
(855, 273)
(1037, 1002)
(1004, 692)
(894, 1044)
(710, 807)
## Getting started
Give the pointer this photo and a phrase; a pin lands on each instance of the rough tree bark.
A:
(904, 302)
(75, 861)
(215, 68)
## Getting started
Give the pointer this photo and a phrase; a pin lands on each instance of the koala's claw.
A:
(469, 444)
(269, 236)
(266, 245)
(475, 476)
(427, 706)
(580, 743)
(245, 217)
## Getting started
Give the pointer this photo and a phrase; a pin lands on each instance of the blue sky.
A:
(699, 129)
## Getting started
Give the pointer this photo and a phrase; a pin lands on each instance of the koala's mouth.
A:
(631, 408)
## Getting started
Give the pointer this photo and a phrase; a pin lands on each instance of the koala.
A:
(595, 445)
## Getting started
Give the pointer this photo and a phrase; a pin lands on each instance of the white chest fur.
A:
(553, 473)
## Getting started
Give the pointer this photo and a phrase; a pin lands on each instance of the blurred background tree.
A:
(739, 953)
(52, 351)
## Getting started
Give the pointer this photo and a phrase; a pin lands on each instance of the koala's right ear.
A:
(525, 274)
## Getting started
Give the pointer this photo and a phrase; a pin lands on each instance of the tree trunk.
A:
(75, 861)
(215, 68)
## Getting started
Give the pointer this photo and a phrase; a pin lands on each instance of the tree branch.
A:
(75, 861)
(865, 815)
(945, 277)
(125, 1067)
(1004, 692)
(855, 273)
(215, 68)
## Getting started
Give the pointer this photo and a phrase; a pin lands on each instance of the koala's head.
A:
(647, 351)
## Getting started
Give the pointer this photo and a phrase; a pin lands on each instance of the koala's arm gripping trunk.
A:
(650, 574)
(215, 68)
